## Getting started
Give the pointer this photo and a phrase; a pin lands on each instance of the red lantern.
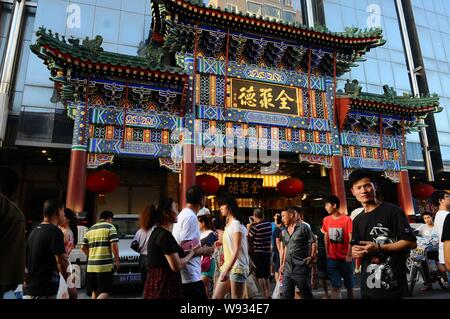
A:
(209, 183)
(290, 187)
(422, 191)
(102, 182)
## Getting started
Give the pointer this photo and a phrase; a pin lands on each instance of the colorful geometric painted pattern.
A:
(253, 72)
(129, 148)
(374, 164)
(80, 129)
(134, 119)
(362, 139)
(253, 117)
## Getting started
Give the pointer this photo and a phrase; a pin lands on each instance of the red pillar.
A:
(76, 187)
(404, 193)
(187, 173)
(337, 182)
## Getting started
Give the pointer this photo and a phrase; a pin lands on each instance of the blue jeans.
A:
(338, 269)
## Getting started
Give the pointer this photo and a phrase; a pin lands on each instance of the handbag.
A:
(135, 245)
(206, 263)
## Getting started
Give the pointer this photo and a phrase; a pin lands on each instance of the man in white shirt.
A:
(440, 199)
(187, 233)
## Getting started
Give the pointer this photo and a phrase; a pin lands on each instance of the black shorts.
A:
(195, 291)
(262, 263)
(99, 282)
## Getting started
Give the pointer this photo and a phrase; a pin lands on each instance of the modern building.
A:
(277, 10)
(39, 133)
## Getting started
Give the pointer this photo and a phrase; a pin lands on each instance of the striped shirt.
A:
(262, 237)
(98, 239)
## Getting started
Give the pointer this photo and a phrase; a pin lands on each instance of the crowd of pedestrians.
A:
(189, 254)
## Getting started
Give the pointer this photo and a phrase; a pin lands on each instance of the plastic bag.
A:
(278, 289)
(63, 292)
(253, 289)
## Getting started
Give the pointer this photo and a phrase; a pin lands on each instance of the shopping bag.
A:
(63, 292)
(253, 290)
(278, 289)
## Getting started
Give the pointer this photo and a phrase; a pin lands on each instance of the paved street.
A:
(436, 293)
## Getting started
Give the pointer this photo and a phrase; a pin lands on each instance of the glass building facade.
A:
(433, 28)
(125, 25)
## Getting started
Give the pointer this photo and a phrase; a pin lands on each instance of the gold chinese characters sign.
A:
(244, 187)
(265, 97)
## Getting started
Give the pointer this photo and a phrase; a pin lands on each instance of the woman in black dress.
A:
(165, 256)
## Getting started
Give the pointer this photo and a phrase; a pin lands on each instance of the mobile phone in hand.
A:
(354, 242)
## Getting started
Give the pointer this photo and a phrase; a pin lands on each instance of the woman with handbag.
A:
(165, 257)
(140, 240)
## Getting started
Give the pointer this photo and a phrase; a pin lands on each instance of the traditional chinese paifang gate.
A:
(209, 72)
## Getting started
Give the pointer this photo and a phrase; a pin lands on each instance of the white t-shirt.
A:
(142, 237)
(187, 229)
(242, 262)
(438, 226)
(427, 231)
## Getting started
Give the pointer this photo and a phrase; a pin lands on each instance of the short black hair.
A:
(333, 200)
(359, 174)
(52, 207)
(106, 214)
(427, 213)
(194, 195)
(295, 209)
(259, 213)
(278, 219)
(8, 181)
(437, 196)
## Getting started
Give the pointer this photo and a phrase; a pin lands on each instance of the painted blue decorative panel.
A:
(270, 119)
(374, 164)
(361, 139)
(129, 148)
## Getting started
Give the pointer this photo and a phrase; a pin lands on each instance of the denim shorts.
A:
(236, 277)
(340, 269)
